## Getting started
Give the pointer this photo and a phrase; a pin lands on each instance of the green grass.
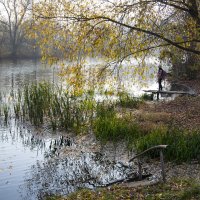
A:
(46, 103)
(146, 97)
(109, 127)
(128, 101)
(183, 146)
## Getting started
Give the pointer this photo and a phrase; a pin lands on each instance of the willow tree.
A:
(116, 30)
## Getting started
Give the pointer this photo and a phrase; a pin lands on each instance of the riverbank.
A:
(183, 179)
(179, 189)
(183, 111)
(183, 183)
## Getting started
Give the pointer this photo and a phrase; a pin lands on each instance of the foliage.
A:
(97, 23)
(127, 101)
(115, 31)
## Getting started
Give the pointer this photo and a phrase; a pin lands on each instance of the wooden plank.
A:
(162, 165)
(167, 92)
(162, 146)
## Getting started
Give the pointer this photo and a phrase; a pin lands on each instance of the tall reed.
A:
(48, 103)
(128, 101)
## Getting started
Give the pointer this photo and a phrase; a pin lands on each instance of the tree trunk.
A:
(13, 51)
(192, 65)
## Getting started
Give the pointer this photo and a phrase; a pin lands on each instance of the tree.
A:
(119, 29)
(13, 16)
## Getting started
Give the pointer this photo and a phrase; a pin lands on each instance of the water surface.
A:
(36, 161)
(18, 152)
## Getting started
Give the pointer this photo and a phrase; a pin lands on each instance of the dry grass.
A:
(183, 112)
(154, 117)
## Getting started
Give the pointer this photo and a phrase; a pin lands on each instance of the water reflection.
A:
(20, 146)
(63, 176)
(16, 157)
(15, 74)
(33, 165)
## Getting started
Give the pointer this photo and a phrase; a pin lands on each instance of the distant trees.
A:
(2, 39)
(14, 20)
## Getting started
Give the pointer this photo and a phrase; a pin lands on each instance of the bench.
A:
(157, 92)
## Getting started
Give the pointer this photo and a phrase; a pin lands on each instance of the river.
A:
(37, 161)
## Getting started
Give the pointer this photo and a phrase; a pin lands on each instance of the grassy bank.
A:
(183, 145)
(178, 189)
(122, 120)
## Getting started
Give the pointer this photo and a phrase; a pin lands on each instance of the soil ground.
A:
(183, 111)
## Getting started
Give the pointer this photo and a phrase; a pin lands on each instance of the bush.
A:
(147, 97)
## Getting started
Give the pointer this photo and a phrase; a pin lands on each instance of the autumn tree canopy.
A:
(117, 30)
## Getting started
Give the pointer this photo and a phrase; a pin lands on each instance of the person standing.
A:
(161, 76)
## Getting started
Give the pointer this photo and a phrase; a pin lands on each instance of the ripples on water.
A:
(16, 158)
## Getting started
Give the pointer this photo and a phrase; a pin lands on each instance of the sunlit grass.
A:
(109, 127)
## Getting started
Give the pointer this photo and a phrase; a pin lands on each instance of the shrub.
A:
(147, 97)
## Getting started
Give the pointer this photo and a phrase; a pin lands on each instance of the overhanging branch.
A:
(143, 31)
(82, 18)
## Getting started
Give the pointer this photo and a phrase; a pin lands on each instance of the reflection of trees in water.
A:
(63, 176)
(18, 133)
